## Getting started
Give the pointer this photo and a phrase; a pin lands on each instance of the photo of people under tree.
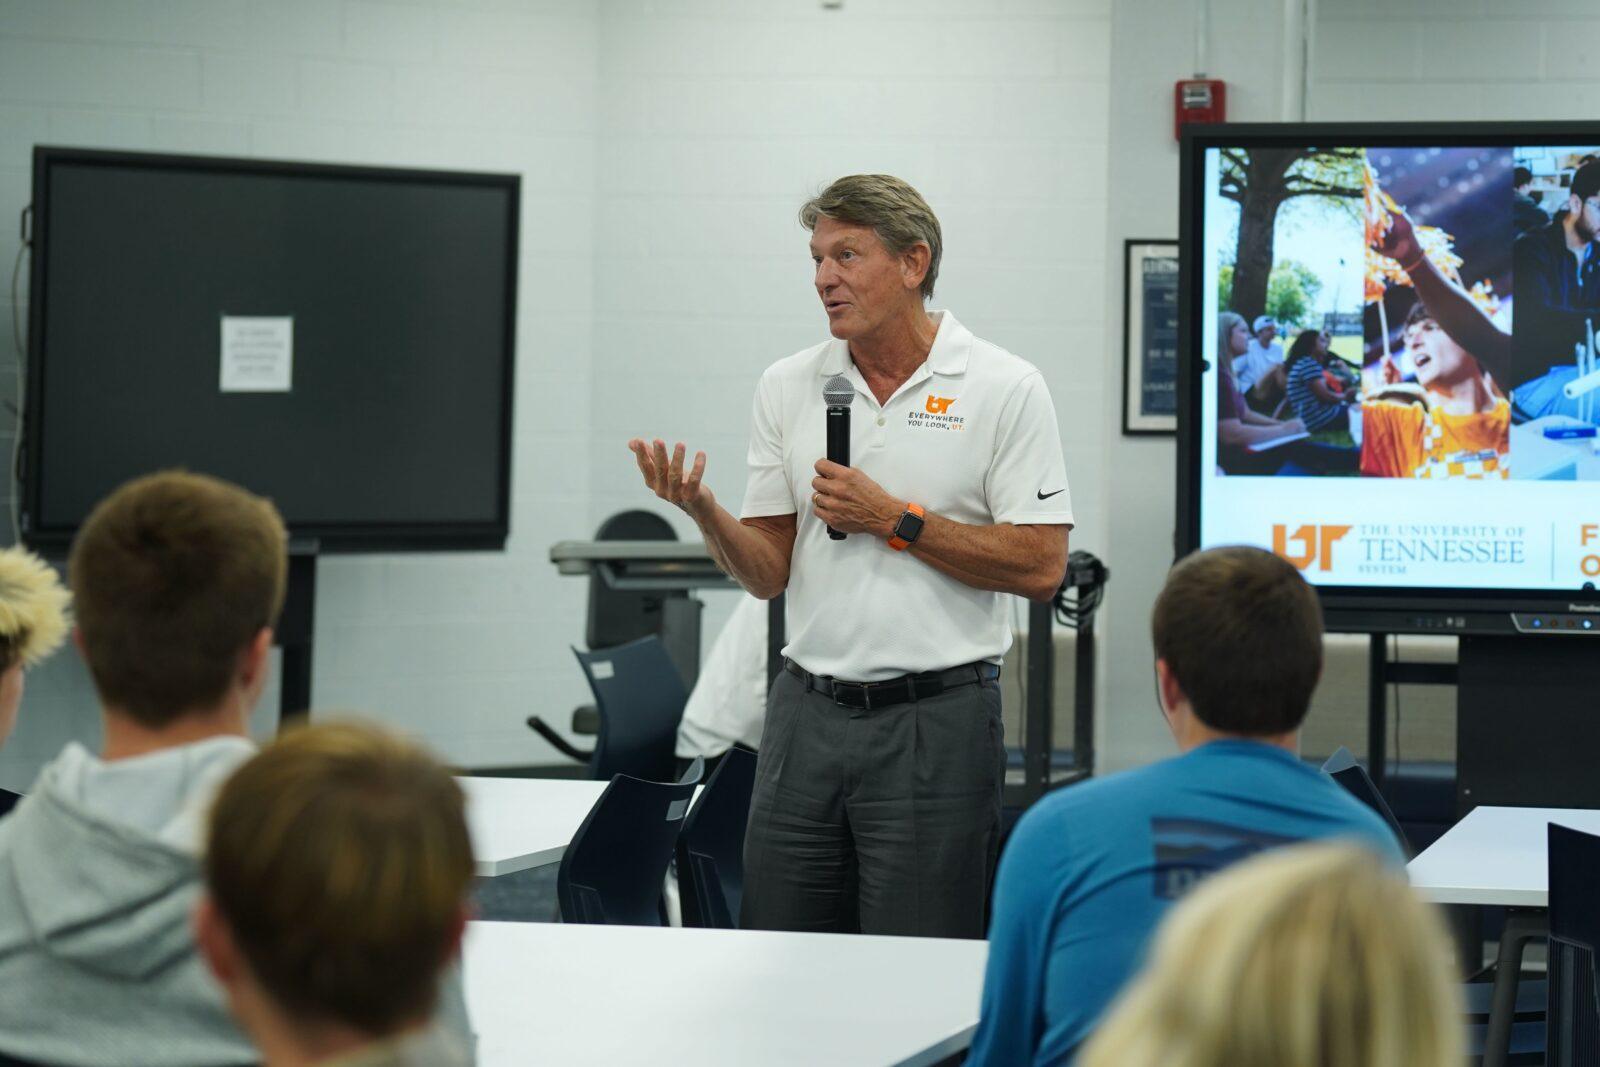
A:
(1289, 293)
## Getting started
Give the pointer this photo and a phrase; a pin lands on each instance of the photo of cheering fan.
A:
(1437, 258)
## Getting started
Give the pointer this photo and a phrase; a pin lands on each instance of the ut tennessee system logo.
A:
(1314, 544)
(938, 405)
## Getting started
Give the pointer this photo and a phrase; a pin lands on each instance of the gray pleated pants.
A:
(883, 821)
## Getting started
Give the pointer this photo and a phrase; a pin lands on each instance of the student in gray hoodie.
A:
(177, 580)
(337, 870)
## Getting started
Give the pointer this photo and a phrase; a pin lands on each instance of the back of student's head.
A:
(1312, 955)
(172, 576)
(1241, 632)
(338, 858)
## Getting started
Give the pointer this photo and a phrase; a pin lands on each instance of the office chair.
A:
(8, 800)
(1478, 995)
(639, 697)
(1572, 1019)
(614, 869)
(1343, 768)
(617, 617)
(710, 849)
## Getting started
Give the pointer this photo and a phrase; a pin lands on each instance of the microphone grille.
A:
(838, 392)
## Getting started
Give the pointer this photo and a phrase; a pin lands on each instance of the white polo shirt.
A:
(971, 436)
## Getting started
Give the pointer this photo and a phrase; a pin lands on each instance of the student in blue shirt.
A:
(1090, 871)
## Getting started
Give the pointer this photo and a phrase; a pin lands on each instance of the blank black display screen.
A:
(393, 430)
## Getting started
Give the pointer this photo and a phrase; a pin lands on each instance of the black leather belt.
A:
(869, 695)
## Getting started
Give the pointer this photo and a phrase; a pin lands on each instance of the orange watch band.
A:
(899, 544)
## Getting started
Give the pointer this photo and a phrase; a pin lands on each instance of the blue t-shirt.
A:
(1090, 871)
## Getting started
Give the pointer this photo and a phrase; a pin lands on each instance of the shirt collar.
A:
(952, 344)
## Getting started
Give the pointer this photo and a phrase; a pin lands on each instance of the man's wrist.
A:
(703, 507)
(891, 521)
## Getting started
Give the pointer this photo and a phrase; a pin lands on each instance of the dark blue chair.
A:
(640, 697)
(711, 846)
(8, 800)
(1572, 1017)
(1343, 768)
(613, 871)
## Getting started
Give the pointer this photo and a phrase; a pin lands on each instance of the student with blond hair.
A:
(33, 624)
(1313, 955)
(337, 871)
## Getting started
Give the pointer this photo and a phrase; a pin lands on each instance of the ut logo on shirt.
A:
(938, 405)
(1315, 544)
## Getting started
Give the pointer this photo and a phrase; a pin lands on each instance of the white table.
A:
(620, 995)
(518, 823)
(1499, 856)
(1495, 856)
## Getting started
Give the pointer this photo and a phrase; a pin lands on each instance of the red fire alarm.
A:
(1198, 100)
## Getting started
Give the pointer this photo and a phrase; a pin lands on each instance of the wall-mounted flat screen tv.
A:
(339, 339)
(1389, 369)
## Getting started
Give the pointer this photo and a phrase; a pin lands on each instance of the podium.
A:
(652, 566)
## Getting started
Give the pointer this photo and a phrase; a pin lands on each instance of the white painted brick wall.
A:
(1426, 60)
(459, 648)
(664, 147)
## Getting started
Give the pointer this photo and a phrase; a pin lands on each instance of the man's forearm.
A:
(1026, 560)
(755, 556)
(1464, 321)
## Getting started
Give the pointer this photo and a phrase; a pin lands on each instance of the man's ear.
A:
(458, 929)
(257, 654)
(1167, 687)
(914, 265)
(216, 946)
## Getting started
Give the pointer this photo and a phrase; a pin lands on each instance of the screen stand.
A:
(294, 633)
(1527, 728)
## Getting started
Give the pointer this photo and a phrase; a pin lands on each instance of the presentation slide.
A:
(1400, 384)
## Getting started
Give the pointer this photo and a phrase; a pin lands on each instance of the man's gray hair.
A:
(895, 211)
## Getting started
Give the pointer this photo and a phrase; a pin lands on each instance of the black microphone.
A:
(837, 393)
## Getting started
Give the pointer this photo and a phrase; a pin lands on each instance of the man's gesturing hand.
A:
(850, 502)
(667, 478)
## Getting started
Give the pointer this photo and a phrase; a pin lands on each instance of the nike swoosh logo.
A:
(1046, 496)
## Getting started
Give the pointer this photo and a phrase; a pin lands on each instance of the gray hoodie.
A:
(98, 881)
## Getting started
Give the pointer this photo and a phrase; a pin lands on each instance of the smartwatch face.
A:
(910, 526)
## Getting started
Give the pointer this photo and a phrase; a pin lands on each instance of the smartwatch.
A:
(908, 529)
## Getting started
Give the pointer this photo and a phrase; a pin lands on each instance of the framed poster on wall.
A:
(1150, 337)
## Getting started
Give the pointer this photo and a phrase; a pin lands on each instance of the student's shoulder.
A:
(1123, 793)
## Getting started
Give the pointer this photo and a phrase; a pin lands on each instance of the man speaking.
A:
(877, 797)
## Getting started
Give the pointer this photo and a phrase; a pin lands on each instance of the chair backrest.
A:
(1343, 768)
(614, 869)
(640, 697)
(711, 846)
(618, 616)
(1572, 1017)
